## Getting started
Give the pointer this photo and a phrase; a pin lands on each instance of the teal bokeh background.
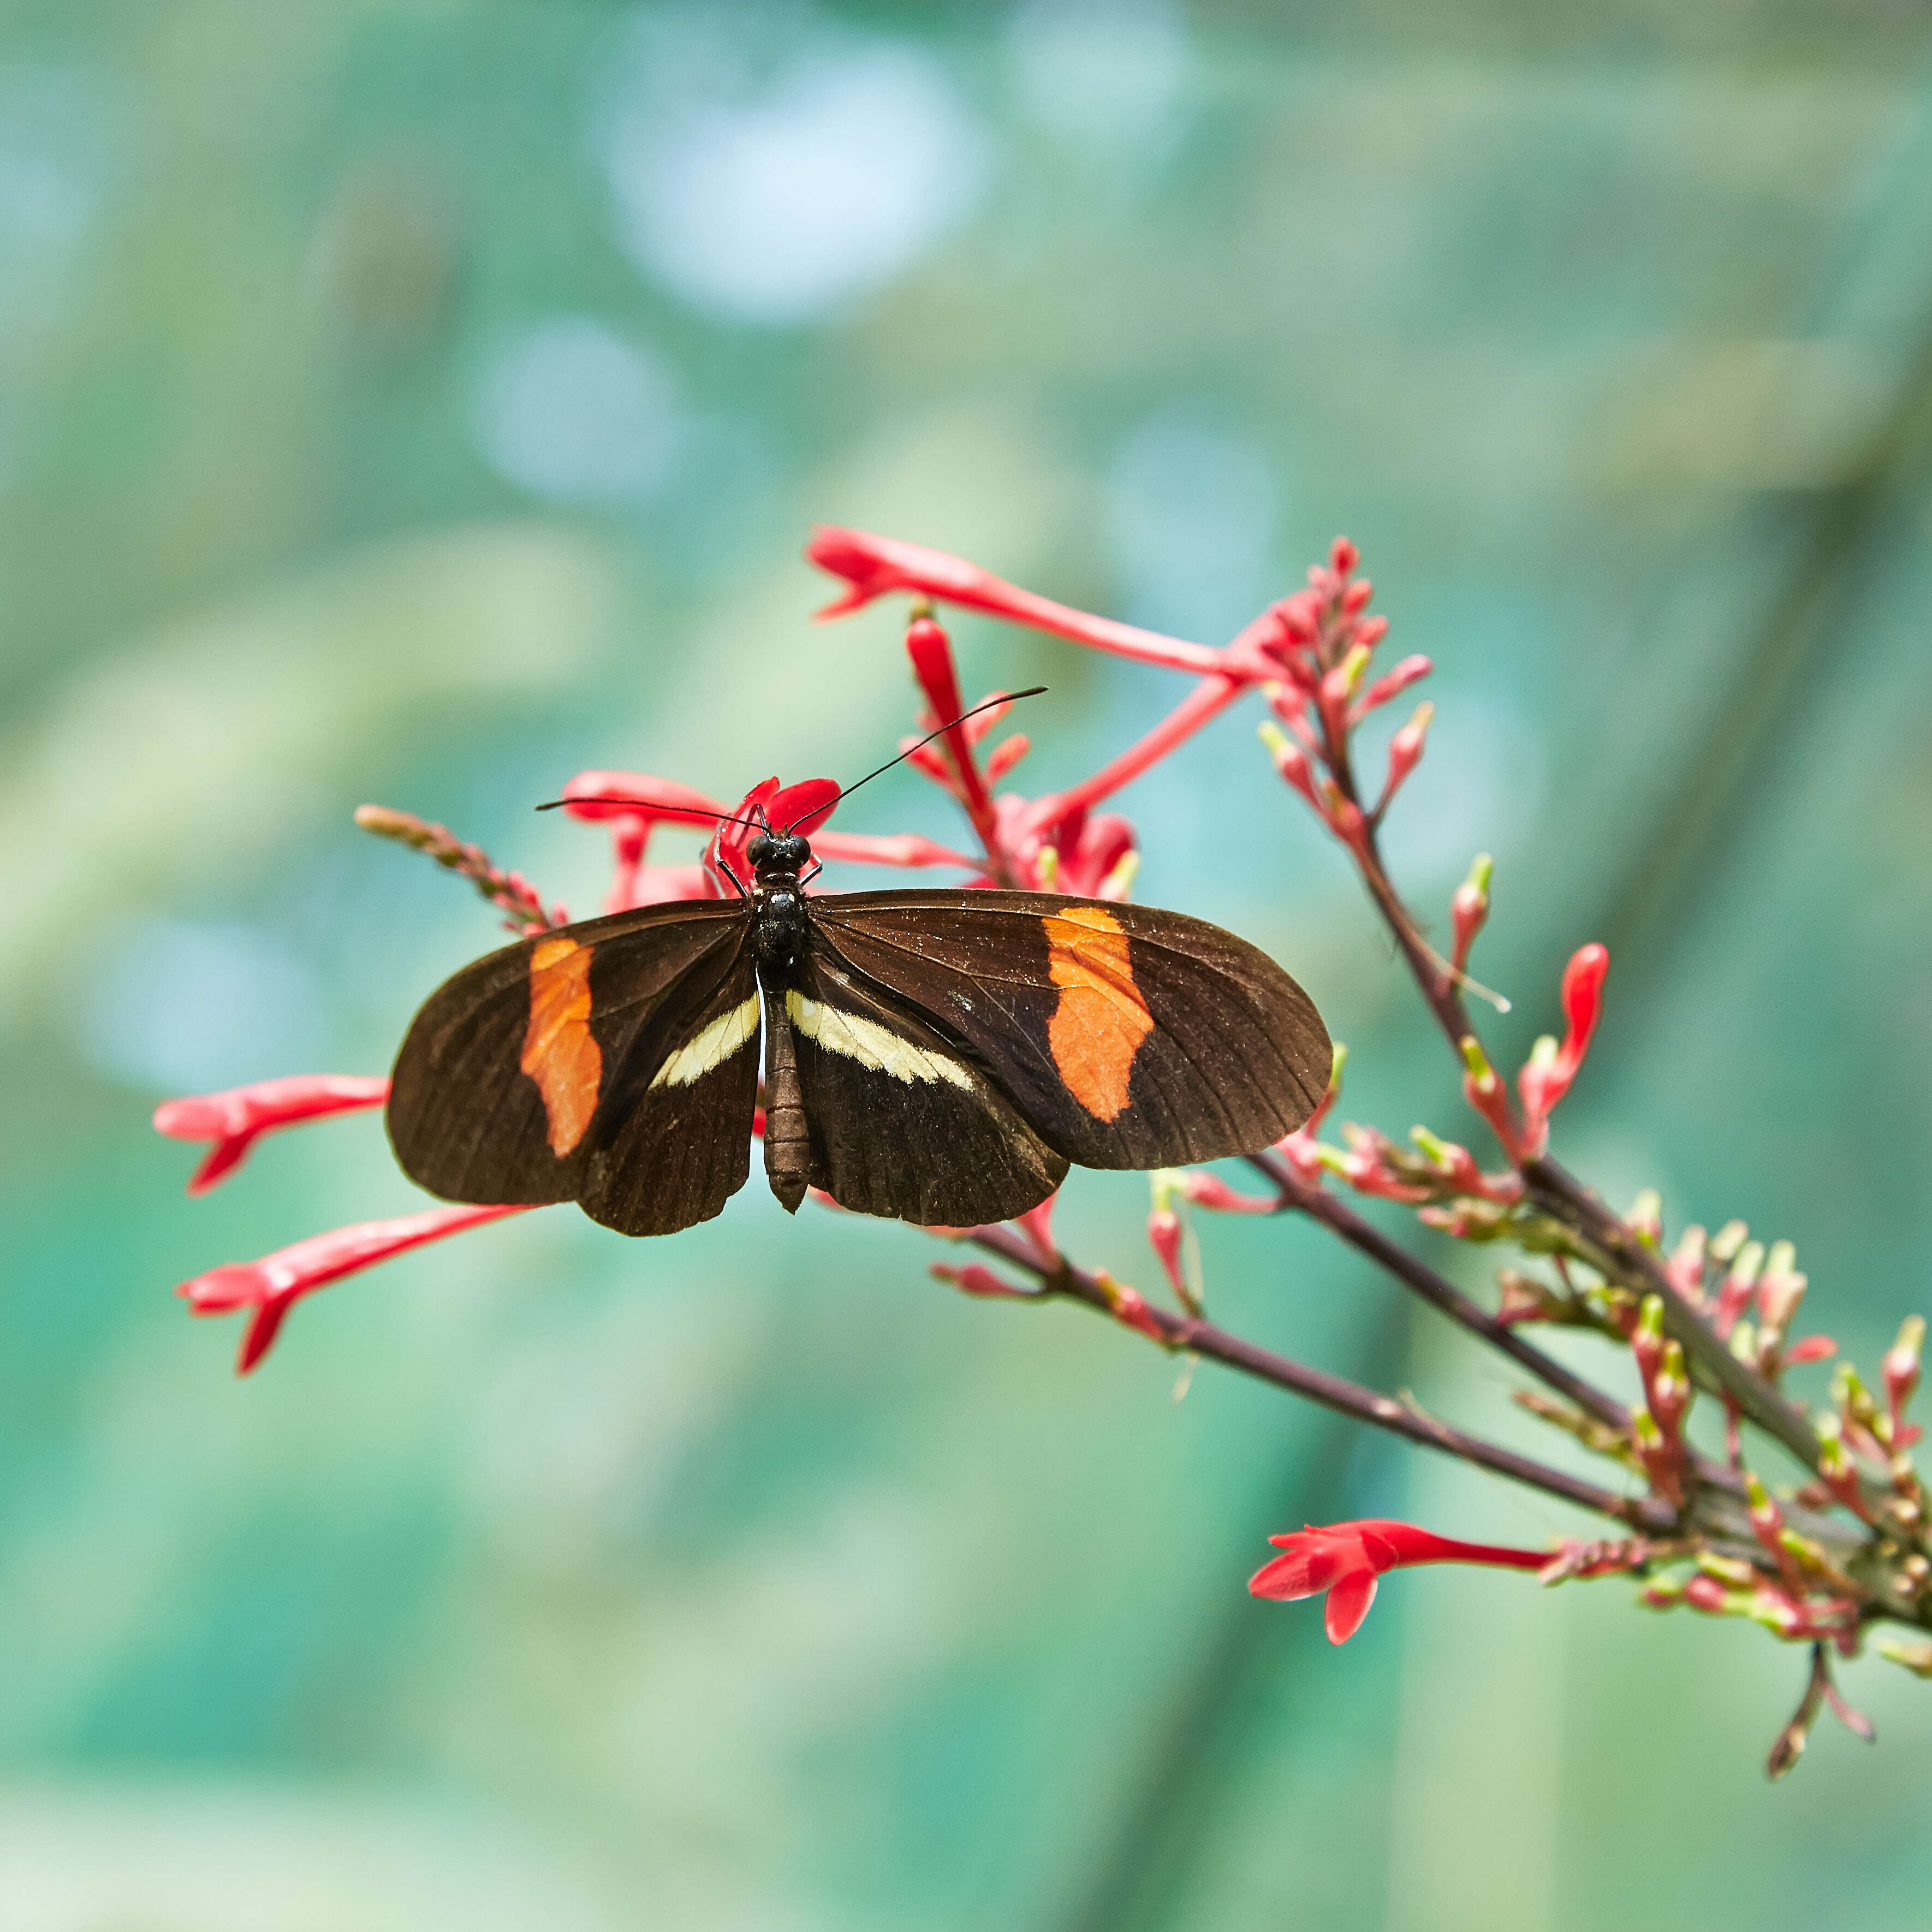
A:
(420, 402)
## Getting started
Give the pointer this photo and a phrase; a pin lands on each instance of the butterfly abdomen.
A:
(788, 1142)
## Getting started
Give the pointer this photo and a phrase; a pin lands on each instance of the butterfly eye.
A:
(757, 847)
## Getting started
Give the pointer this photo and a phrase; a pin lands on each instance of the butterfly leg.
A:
(787, 1144)
(724, 866)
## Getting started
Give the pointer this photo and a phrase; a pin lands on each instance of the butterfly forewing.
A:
(503, 1090)
(1128, 1036)
(902, 1121)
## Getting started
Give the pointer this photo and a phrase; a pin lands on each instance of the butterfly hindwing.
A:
(511, 1078)
(1128, 1036)
(901, 1121)
(672, 1139)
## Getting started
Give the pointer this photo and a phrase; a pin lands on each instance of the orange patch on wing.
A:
(1101, 1018)
(560, 1053)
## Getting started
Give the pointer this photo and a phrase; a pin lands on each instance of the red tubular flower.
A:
(1545, 1076)
(1346, 1559)
(931, 651)
(637, 796)
(874, 565)
(272, 1286)
(905, 849)
(231, 1120)
(635, 803)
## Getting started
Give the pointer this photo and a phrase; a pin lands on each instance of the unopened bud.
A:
(1342, 682)
(1647, 1344)
(1646, 1218)
(1469, 907)
(1854, 1401)
(1290, 760)
(1342, 556)
(1129, 1307)
(1706, 1594)
(1007, 754)
(981, 1282)
(1914, 1656)
(1685, 1268)
(1404, 751)
(1390, 685)
(1726, 1241)
(1165, 1231)
(1355, 599)
(1900, 1366)
(1779, 1292)
(1732, 1571)
(1210, 1192)
(1670, 1391)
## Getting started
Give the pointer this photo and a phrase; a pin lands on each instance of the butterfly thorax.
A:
(778, 900)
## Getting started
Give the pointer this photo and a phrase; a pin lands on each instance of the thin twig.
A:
(1380, 1411)
(1420, 1279)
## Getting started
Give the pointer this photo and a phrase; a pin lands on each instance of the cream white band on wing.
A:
(716, 1045)
(872, 1045)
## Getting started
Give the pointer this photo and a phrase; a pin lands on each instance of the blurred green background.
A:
(418, 401)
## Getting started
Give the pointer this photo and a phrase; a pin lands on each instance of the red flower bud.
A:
(982, 1282)
(1900, 1366)
(1390, 685)
(931, 651)
(1290, 761)
(1210, 1192)
(1812, 1348)
(1343, 556)
(1405, 751)
(1164, 1237)
(1130, 1309)
(1469, 908)
(1002, 758)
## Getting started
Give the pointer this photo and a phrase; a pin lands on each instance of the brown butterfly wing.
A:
(519, 1079)
(1128, 1036)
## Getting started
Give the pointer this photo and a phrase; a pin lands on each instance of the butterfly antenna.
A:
(678, 811)
(1007, 697)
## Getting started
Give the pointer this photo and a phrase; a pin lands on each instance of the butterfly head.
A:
(778, 852)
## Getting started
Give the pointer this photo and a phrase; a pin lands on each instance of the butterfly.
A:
(941, 1056)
